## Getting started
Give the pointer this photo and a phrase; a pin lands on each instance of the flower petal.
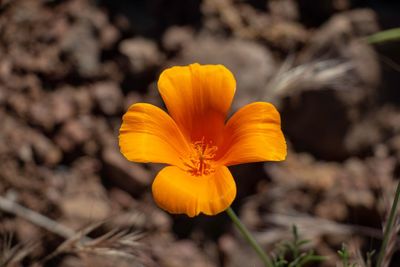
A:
(253, 134)
(149, 134)
(176, 191)
(198, 98)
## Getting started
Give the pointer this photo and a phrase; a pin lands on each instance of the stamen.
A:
(200, 161)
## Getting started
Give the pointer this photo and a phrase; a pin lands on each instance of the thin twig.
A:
(36, 218)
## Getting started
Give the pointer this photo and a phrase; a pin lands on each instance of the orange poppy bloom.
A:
(195, 140)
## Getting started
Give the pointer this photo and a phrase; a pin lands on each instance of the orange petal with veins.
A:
(253, 134)
(198, 98)
(176, 191)
(149, 134)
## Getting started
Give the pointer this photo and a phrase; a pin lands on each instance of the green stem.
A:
(249, 237)
(389, 226)
(384, 36)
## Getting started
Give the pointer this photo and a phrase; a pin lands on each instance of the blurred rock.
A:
(175, 38)
(27, 231)
(332, 210)
(109, 36)
(237, 254)
(285, 35)
(108, 97)
(305, 121)
(83, 199)
(181, 254)
(41, 114)
(63, 106)
(82, 99)
(345, 187)
(82, 48)
(72, 261)
(142, 53)
(86, 208)
(73, 133)
(44, 149)
(284, 9)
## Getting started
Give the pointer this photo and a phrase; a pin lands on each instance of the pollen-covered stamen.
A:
(200, 160)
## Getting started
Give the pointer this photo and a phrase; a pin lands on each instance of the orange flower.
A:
(195, 140)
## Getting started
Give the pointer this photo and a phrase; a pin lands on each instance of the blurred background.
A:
(70, 69)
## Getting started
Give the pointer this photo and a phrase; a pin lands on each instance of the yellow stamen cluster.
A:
(199, 162)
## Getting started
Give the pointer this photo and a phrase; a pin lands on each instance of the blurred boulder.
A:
(175, 38)
(73, 133)
(181, 254)
(284, 9)
(142, 54)
(108, 97)
(82, 48)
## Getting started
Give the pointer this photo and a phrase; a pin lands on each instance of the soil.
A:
(69, 69)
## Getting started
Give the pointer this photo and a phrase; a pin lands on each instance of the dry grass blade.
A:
(11, 255)
(308, 76)
(115, 243)
(35, 218)
(74, 241)
(394, 231)
(391, 244)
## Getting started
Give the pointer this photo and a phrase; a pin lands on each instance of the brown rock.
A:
(73, 133)
(142, 54)
(108, 97)
(181, 254)
(175, 38)
(284, 9)
(237, 253)
(63, 107)
(82, 48)
(41, 114)
(85, 207)
(44, 149)
(72, 261)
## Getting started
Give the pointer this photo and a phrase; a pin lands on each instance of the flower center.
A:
(200, 160)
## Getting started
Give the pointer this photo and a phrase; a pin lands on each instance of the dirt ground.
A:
(70, 68)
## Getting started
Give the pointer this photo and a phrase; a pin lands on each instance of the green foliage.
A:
(344, 255)
(291, 253)
(369, 258)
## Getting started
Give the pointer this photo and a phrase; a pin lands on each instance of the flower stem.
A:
(389, 226)
(249, 237)
(384, 36)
